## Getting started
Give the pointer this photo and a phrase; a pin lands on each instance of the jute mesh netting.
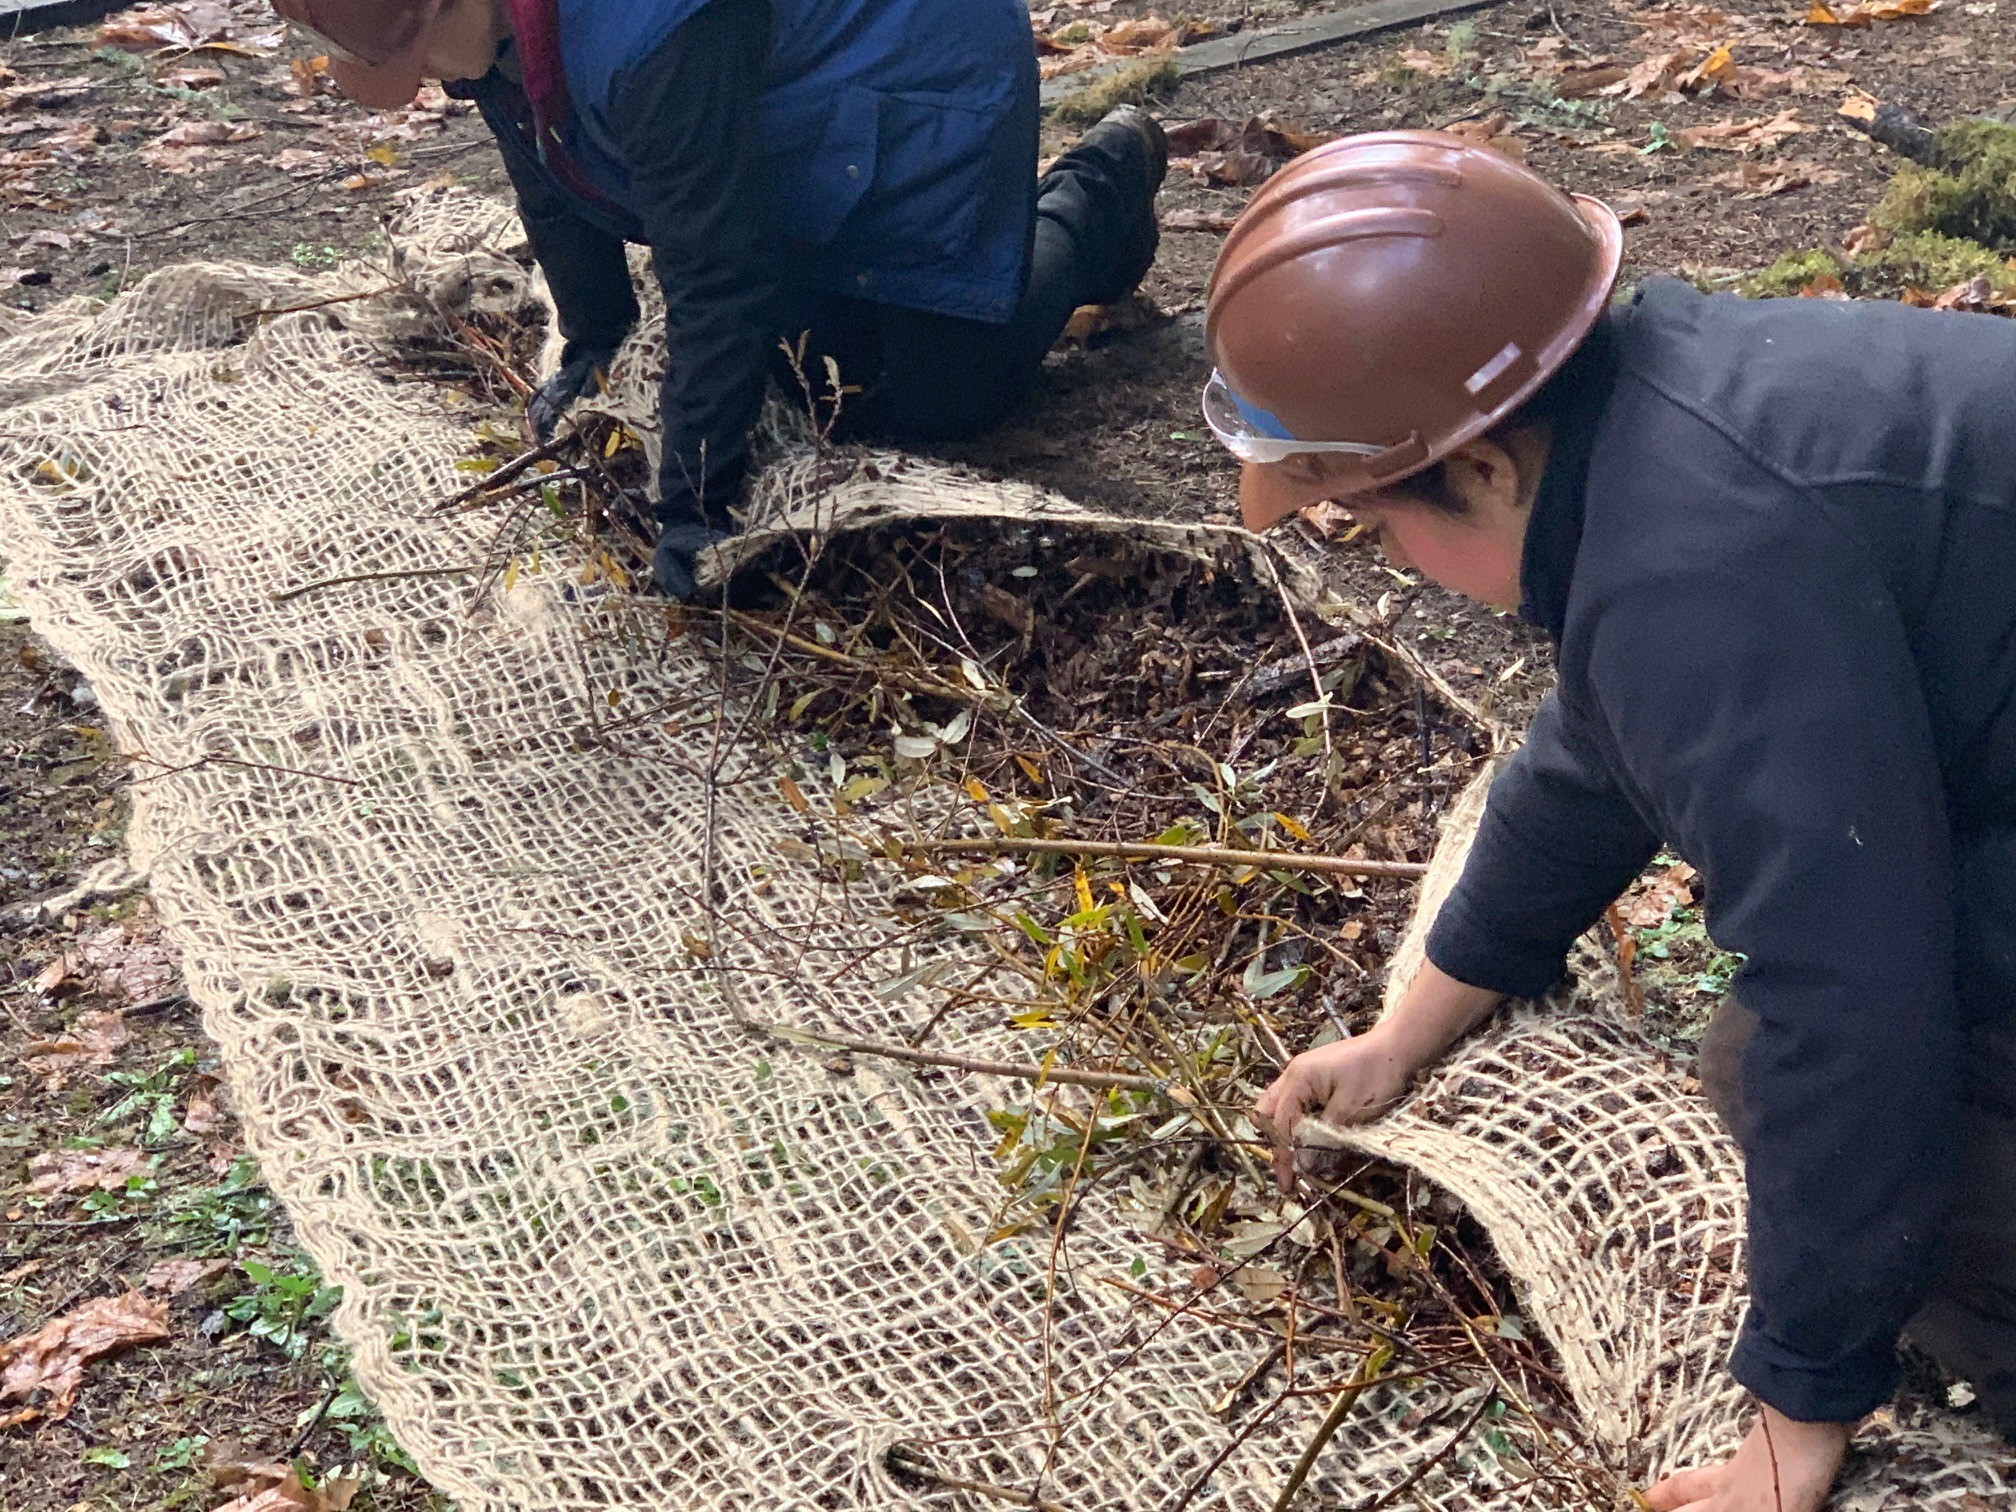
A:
(601, 1245)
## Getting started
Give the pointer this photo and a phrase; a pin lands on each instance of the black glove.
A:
(679, 546)
(578, 375)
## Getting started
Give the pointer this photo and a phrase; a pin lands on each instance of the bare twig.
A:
(498, 476)
(288, 595)
(1414, 1477)
(900, 1460)
(1199, 855)
(1340, 1408)
(1021, 1071)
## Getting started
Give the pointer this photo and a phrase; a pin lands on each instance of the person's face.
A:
(464, 40)
(1476, 553)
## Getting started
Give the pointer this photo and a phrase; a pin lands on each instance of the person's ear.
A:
(1485, 477)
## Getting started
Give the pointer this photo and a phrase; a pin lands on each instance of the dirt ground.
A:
(203, 133)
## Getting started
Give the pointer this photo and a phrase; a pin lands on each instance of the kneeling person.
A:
(860, 171)
(1773, 542)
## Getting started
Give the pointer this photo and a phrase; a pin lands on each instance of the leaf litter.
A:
(50, 1362)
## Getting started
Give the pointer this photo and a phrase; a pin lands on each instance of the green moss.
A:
(1136, 84)
(1930, 261)
(1923, 260)
(1792, 272)
(1971, 195)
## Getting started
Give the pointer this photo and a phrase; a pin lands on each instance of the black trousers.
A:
(1969, 1323)
(927, 377)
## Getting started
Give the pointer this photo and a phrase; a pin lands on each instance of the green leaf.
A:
(1261, 983)
(107, 1456)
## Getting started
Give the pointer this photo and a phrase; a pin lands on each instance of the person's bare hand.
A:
(1790, 1469)
(1348, 1081)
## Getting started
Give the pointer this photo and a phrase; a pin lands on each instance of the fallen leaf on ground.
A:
(1435, 65)
(193, 78)
(171, 1278)
(201, 1114)
(1762, 180)
(1822, 14)
(301, 162)
(1654, 905)
(276, 1488)
(1224, 153)
(55, 975)
(53, 1358)
(1743, 136)
(93, 1040)
(308, 76)
(1578, 81)
(1197, 220)
(1657, 75)
(129, 960)
(190, 147)
(190, 27)
(83, 1170)
(1495, 131)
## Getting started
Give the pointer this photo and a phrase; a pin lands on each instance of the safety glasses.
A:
(1253, 435)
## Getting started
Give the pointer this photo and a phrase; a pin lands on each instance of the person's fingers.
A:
(1689, 1488)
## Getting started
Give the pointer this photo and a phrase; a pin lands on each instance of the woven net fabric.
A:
(482, 891)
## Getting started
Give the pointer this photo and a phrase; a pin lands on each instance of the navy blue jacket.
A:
(763, 149)
(1776, 544)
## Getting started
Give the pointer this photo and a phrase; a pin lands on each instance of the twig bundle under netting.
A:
(579, 965)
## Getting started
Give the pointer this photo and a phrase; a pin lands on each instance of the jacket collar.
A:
(1575, 399)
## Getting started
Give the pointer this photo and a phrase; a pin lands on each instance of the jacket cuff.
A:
(1840, 1391)
(1462, 946)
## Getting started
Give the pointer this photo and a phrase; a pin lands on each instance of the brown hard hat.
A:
(375, 46)
(1384, 299)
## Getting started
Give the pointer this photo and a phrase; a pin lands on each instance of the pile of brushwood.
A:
(1942, 235)
(1179, 822)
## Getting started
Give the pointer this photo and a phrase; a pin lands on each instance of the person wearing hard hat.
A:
(1773, 543)
(859, 170)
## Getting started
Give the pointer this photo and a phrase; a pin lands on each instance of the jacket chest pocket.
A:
(933, 172)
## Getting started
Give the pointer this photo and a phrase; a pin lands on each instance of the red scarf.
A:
(535, 31)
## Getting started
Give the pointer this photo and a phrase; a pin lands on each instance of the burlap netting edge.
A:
(599, 1247)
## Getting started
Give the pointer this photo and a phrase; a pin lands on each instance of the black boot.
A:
(1102, 192)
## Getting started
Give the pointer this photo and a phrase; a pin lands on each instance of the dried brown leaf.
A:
(171, 1278)
(277, 1488)
(1653, 904)
(53, 1358)
(83, 1170)
(130, 961)
(94, 1040)
(1743, 136)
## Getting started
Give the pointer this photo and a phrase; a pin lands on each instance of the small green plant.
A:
(1461, 41)
(1659, 140)
(370, 1442)
(151, 1097)
(282, 1303)
(106, 1455)
(218, 1220)
(181, 1454)
(309, 255)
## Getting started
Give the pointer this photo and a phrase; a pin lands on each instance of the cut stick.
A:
(1195, 855)
(1021, 1071)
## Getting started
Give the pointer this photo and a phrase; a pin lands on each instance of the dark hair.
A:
(1563, 390)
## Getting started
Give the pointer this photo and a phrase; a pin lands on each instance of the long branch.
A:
(1022, 1071)
(1200, 855)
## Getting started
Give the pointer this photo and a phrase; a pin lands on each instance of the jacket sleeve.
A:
(1557, 844)
(686, 120)
(585, 266)
(1763, 689)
